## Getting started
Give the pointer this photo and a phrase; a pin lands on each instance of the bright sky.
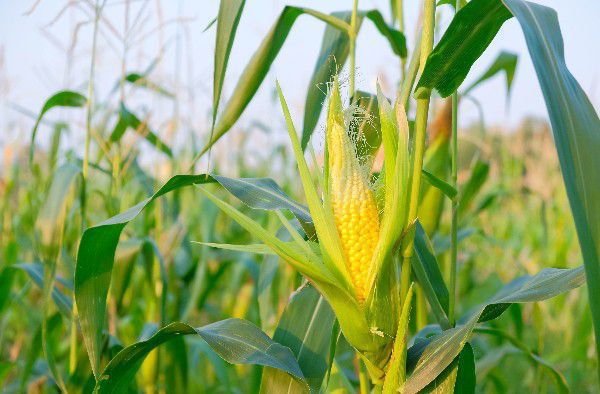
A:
(32, 66)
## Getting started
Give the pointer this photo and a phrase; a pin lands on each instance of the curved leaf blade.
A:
(65, 98)
(95, 259)
(256, 70)
(331, 59)
(142, 80)
(394, 37)
(466, 377)
(446, 188)
(237, 341)
(264, 193)
(576, 129)
(96, 253)
(505, 62)
(129, 119)
(305, 327)
(468, 35)
(444, 348)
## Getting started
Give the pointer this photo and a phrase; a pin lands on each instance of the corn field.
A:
(374, 244)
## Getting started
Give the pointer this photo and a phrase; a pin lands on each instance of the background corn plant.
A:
(102, 287)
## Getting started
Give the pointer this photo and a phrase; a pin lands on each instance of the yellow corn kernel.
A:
(354, 207)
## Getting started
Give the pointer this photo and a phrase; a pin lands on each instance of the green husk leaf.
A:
(322, 218)
(396, 373)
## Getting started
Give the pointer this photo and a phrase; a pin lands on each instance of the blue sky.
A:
(34, 66)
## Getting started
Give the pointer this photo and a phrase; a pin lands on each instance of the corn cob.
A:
(354, 207)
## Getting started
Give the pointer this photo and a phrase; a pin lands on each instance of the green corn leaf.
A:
(437, 163)
(254, 248)
(466, 378)
(576, 130)
(451, 2)
(258, 67)
(306, 328)
(472, 187)
(51, 337)
(521, 349)
(575, 123)
(36, 272)
(35, 347)
(331, 59)
(439, 184)
(50, 221)
(397, 366)
(128, 119)
(394, 37)
(289, 251)
(6, 281)
(505, 62)
(445, 347)
(236, 341)
(443, 243)
(95, 259)
(264, 193)
(65, 98)
(230, 12)
(256, 70)
(470, 32)
(445, 382)
(142, 80)
(427, 271)
(333, 56)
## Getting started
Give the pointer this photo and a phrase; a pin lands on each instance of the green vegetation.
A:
(405, 256)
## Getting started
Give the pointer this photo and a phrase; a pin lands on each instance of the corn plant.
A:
(368, 280)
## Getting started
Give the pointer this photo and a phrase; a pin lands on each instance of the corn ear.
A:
(396, 184)
(352, 202)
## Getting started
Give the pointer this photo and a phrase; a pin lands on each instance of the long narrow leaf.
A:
(230, 12)
(469, 34)
(235, 340)
(576, 129)
(65, 98)
(305, 327)
(446, 347)
(331, 59)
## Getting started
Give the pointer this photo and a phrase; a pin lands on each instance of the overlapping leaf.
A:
(447, 345)
(235, 340)
(95, 257)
